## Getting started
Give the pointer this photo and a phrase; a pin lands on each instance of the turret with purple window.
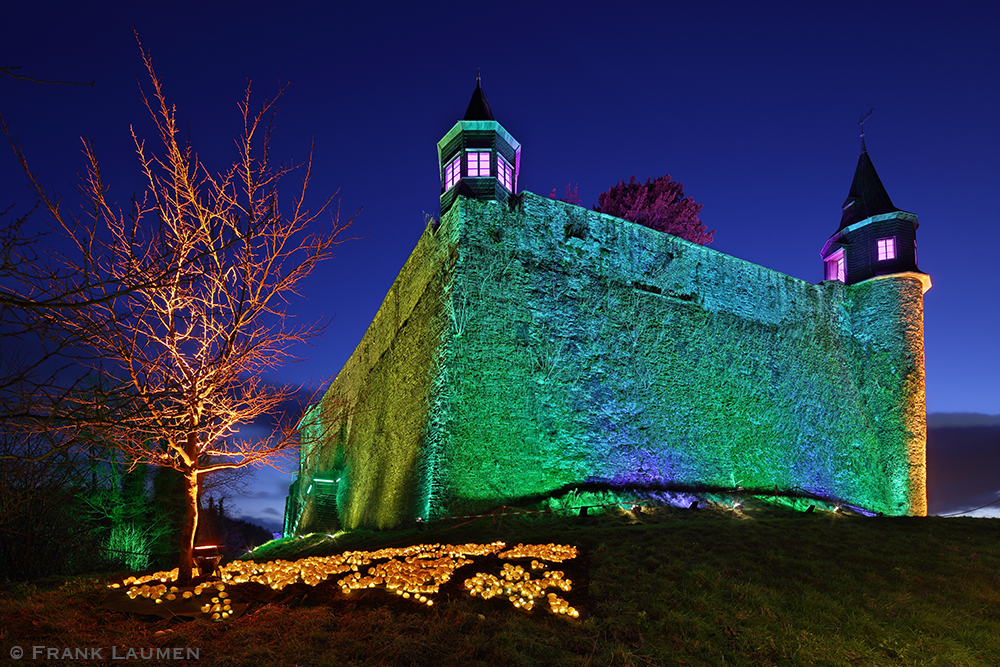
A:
(874, 238)
(478, 158)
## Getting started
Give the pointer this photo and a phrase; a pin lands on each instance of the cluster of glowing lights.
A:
(154, 587)
(515, 583)
(162, 577)
(413, 573)
(410, 572)
(555, 553)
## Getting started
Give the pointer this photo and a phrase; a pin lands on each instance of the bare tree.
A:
(184, 353)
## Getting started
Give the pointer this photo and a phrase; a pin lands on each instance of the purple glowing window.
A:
(886, 249)
(836, 267)
(479, 163)
(452, 172)
(506, 173)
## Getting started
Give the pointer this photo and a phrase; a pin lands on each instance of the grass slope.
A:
(669, 587)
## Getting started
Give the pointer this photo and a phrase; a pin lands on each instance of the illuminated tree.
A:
(659, 204)
(183, 352)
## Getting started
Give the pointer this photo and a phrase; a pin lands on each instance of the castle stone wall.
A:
(368, 433)
(549, 346)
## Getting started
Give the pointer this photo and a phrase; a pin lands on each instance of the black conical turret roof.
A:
(479, 108)
(867, 196)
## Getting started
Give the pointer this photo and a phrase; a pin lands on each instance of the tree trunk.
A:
(190, 526)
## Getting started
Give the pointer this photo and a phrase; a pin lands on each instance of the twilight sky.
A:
(750, 105)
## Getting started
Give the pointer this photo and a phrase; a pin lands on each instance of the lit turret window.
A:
(479, 163)
(506, 173)
(886, 249)
(836, 267)
(452, 172)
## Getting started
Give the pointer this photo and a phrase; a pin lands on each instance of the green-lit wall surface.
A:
(369, 433)
(529, 348)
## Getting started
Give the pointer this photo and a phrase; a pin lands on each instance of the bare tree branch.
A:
(10, 71)
(181, 305)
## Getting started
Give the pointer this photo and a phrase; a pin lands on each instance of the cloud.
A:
(265, 522)
(288, 412)
(985, 513)
(963, 462)
(961, 420)
(265, 495)
(990, 511)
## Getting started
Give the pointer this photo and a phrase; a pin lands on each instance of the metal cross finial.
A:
(864, 117)
(478, 83)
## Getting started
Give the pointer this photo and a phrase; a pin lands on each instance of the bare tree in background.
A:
(183, 351)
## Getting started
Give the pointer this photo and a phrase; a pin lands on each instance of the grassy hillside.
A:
(666, 587)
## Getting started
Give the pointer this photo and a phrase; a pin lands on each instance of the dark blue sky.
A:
(750, 105)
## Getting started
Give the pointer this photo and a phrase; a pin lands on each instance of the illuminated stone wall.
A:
(364, 455)
(524, 352)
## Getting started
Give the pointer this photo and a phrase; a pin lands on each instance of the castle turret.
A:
(478, 158)
(874, 238)
(875, 248)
